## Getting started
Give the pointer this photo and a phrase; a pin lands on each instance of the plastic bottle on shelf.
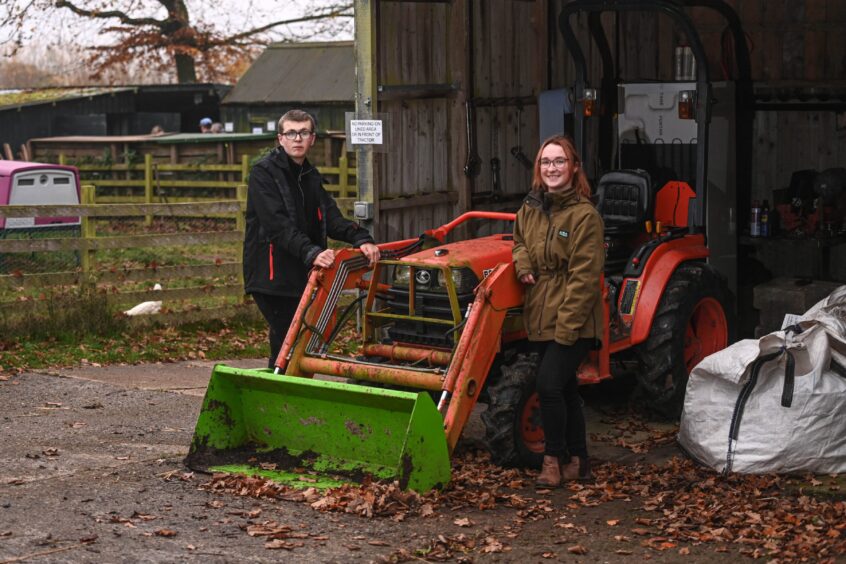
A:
(755, 219)
(765, 219)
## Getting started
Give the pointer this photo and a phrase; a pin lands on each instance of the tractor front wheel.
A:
(692, 322)
(513, 428)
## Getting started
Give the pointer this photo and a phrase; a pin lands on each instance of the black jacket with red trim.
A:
(289, 217)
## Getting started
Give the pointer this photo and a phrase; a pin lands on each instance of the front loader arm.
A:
(479, 344)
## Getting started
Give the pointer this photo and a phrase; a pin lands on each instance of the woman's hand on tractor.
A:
(528, 279)
(372, 252)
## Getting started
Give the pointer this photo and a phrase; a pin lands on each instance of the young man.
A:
(205, 125)
(289, 216)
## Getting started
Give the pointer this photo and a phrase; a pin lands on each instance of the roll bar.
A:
(675, 10)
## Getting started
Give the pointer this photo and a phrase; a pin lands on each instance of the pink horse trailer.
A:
(25, 183)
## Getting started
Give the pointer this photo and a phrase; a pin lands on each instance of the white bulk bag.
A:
(744, 413)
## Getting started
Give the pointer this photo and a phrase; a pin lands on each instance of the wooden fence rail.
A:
(151, 179)
(88, 243)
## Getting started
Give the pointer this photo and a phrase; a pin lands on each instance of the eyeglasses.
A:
(302, 134)
(559, 162)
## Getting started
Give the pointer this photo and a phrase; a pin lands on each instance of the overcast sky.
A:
(63, 28)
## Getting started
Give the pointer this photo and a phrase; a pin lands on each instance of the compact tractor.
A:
(442, 328)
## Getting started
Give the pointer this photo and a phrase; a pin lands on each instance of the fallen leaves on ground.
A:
(236, 339)
(690, 504)
(476, 484)
(683, 504)
(444, 548)
(632, 432)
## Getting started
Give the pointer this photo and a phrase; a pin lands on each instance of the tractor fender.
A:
(660, 266)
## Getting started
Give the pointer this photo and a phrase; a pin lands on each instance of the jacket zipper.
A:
(546, 257)
(300, 186)
(271, 261)
(302, 193)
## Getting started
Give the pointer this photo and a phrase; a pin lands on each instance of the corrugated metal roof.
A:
(31, 97)
(298, 72)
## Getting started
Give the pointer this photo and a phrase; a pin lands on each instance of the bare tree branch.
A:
(122, 16)
(187, 45)
(338, 12)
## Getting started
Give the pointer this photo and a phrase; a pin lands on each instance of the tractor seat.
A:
(624, 200)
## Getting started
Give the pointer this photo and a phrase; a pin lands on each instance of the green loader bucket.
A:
(287, 427)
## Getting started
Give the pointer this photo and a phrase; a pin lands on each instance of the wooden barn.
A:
(316, 77)
(458, 82)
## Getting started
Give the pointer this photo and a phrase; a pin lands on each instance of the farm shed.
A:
(458, 82)
(317, 77)
(129, 110)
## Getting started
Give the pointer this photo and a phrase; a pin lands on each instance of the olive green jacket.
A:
(559, 238)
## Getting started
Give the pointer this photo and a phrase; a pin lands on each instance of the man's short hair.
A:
(296, 115)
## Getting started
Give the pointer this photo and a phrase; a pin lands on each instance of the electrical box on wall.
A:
(649, 114)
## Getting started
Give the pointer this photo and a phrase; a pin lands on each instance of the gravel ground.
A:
(91, 471)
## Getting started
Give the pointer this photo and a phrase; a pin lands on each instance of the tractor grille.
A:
(426, 304)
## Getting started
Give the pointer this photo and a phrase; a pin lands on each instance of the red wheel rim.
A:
(706, 332)
(531, 428)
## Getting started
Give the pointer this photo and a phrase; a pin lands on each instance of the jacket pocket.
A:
(270, 257)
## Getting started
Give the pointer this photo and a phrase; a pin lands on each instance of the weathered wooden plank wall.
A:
(413, 189)
(795, 47)
(518, 51)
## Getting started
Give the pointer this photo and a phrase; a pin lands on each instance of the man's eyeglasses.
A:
(302, 134)
(559, 162)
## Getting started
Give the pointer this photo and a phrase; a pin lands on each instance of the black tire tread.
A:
(663, 378)
(501, 419)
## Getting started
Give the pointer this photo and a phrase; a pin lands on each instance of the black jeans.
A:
(561, 406)
(279, 312)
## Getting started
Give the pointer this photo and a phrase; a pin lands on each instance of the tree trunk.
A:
(185, 70)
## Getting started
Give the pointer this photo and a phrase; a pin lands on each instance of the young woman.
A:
(559, 254)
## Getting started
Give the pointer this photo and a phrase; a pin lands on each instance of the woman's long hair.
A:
(580, 181)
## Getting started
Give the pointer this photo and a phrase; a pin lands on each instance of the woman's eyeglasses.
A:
(303, 134)
(559, 162)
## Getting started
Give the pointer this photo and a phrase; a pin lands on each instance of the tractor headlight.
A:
(402, 275)
(464, 279)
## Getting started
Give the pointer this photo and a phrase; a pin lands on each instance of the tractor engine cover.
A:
(468, 262)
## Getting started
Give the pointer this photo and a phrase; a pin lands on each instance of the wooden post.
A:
(241, 217)
(245, 168)
(148, 186)
(343, 173)
(365, 100)
(89, 232)
(241, 225)
(459, 70)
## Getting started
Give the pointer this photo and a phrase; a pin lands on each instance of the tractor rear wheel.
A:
(513, 428)
(692, 321)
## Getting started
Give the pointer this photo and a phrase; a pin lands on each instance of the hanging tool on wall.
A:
(496, 183)
(473, 162)
(517, 153)
(517, 150)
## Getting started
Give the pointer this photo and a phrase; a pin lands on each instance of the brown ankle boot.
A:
(550, 476)
(577, 469)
